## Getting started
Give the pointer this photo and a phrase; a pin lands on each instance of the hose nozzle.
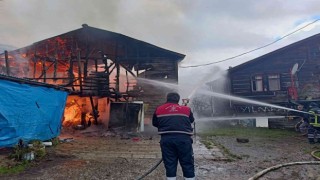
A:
(185, 101)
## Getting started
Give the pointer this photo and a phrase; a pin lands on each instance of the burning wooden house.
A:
(102, 71)
(29, 110)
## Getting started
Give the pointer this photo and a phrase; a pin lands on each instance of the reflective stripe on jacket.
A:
(314, 118)
(173, 118)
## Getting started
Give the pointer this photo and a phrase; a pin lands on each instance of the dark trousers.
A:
(174, 148)
(313, 134)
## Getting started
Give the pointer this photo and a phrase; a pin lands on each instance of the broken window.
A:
(257, 83)
(274, 82)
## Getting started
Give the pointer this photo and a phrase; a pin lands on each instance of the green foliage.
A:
(244, 132)
(317, 154)
(55, 141)
(210, 144)
(14, 169)
(18, 152)
(248, 132)
(38, 148)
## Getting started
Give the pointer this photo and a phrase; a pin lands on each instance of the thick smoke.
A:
(189, 27)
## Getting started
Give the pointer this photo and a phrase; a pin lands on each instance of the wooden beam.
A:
(34, 62)
(79, 68)
(44, 70)
(55, 61)
(94, 111)
(7, 62)
(118, 77)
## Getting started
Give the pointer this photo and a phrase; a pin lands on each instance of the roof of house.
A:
(278, 51)
(89, 36)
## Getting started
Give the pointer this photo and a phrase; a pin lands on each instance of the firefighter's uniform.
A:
(174, 125)
(314, 125)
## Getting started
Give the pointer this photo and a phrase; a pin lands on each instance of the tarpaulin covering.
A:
(29, 112)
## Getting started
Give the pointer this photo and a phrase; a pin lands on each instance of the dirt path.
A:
(261, 153)
(101, 156)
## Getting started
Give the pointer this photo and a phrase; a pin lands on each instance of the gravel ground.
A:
(87, 158)
(261, 153)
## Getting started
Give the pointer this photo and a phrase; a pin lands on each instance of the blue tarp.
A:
(29, 112)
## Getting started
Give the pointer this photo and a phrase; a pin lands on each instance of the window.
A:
(257, 83)
(274, 82)
(270, 82)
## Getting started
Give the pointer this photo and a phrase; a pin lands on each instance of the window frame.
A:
(274, 78)
(255, 80)
(263, 82)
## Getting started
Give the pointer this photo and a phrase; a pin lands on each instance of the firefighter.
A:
(303, 124)
(314, 124)
(174, 125)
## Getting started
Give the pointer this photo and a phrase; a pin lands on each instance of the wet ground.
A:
(96, 154)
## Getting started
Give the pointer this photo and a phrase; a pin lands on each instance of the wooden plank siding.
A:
(305, 53)
(160, 69)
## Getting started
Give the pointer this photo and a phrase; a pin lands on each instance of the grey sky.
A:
(204, 30)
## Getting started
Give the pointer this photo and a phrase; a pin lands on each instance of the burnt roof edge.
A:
(180, 56)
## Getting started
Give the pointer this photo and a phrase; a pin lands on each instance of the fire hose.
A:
(263, 172)
(150, 170)
(259, 174)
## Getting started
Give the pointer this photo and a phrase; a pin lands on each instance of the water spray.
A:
(239, 99)
(186, 101)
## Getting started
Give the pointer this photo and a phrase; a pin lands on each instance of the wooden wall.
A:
(305, 53)
(154, 94)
